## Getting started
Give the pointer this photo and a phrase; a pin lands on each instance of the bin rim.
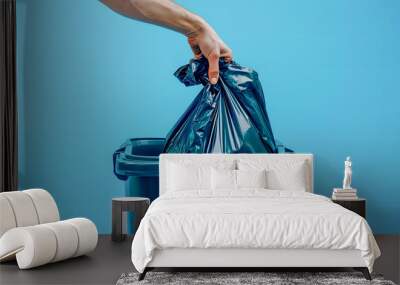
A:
(127, 164)
(128, 146)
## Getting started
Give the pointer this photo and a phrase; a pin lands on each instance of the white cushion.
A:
(251, 178)
(223, 179)
(281, 175)
(263, 161)
(185, 178)
(45, 206)
(7, 218)
(186, 175)
(23, 208)
(26, 208)
(67, 239)
(87, 233)
(32, 246)
(40, 244)
(31, 233)
(228, 179)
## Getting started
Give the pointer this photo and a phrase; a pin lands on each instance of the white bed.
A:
(199, 225)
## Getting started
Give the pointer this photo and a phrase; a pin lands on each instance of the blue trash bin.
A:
(136, 162)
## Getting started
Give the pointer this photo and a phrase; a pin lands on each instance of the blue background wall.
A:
(89, 79)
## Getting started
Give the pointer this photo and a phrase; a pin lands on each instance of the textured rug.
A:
(244, 278)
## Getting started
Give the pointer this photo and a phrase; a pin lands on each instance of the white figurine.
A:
(347, 173)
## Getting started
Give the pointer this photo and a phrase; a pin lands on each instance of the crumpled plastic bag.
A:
(228, 117)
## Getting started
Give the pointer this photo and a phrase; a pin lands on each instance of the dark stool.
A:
(137, 205)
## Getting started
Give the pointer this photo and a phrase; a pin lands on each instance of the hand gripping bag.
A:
(228, 117)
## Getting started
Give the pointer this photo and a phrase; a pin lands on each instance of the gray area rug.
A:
(273, 278)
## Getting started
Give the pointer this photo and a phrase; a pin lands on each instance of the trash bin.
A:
(136, 162)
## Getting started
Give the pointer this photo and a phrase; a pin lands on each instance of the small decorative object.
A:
(347, 192)
(347, 174)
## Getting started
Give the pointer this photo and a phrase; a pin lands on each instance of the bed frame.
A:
(237, 259)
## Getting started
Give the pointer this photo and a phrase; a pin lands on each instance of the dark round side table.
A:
(137, 205)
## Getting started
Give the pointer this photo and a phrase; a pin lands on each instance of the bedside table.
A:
(358, 206)
(137, 205)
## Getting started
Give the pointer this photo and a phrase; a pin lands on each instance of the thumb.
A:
(213, 66)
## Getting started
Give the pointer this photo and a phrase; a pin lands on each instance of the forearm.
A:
(164, 13)
(202, 38)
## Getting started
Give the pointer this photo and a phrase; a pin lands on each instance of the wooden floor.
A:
(110, 260)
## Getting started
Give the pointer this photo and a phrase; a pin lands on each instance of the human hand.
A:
(205, 42)
(202, 38)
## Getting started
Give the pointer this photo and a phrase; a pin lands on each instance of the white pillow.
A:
(290, 179)
(189, 175)
(281, 174)
(251, 178)
(223, 179)
(181, 177)
(237, 179)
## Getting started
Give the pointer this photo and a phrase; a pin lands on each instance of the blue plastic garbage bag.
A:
(228, 117)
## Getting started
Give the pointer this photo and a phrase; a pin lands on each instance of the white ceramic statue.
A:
(347, 173)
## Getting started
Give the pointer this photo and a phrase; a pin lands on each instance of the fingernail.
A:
(214, 80)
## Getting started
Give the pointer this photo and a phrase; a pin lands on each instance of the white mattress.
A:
(250, 219)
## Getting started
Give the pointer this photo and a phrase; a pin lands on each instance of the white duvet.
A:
(250, 219)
